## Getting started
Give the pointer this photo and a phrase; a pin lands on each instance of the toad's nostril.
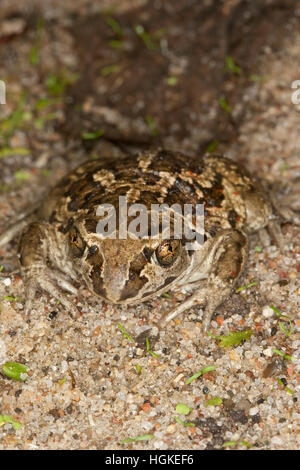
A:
(93, 249)
(133, 287)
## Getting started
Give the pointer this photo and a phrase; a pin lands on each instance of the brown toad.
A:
(60, 243)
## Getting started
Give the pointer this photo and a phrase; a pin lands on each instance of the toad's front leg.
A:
(44, 264)
(228, 257)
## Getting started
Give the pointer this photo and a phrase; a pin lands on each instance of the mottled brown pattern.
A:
(133, 270)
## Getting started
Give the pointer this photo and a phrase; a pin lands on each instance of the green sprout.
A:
(93, 135)
(56, 84)
(215, 401)
(115, 44)
(21, 176)
(7, 419)
(233, 443)
(149, 350)
(233, 339)
(224, 105)
(7, 152)
(172, 81)
(124, 333)
(15, 371)
(254, 77)
(285, 387)
(151, 125)
(8, 297)
(247, 287)
(287, 333)
(166, 295)
(284, 166)
(109, 69)
(285, 356)
(231, 66)
(212, 146)
(198, 374)
(115, 26)
(34, 55)
(183, 409)
(182, 422)
(44, 102)
(16, 119)
(144, 437)
(46, 172)
(146, 37)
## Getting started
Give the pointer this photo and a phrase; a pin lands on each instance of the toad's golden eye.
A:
(77, 243)
(167, 252)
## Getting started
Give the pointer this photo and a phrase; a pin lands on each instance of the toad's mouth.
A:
(116, 290)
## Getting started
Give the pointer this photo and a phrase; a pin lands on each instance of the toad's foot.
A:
(44, 266)
(52, 283)
(273, 231)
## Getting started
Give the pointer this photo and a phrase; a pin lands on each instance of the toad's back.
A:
(229, 194)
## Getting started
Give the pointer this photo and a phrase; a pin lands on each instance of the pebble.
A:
(276, 440)
(7, 281)
(12, 26)
(248, 354)
(267, 312)
(268, 352)
(7, 427)
(253, 411)
(2, 351)
(160, 445)
(293, 275)
(139, 352)
(179, 377)
(243, 404)
(170, 429)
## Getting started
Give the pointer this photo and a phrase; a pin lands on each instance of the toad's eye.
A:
(167, 252)
(76, 242)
